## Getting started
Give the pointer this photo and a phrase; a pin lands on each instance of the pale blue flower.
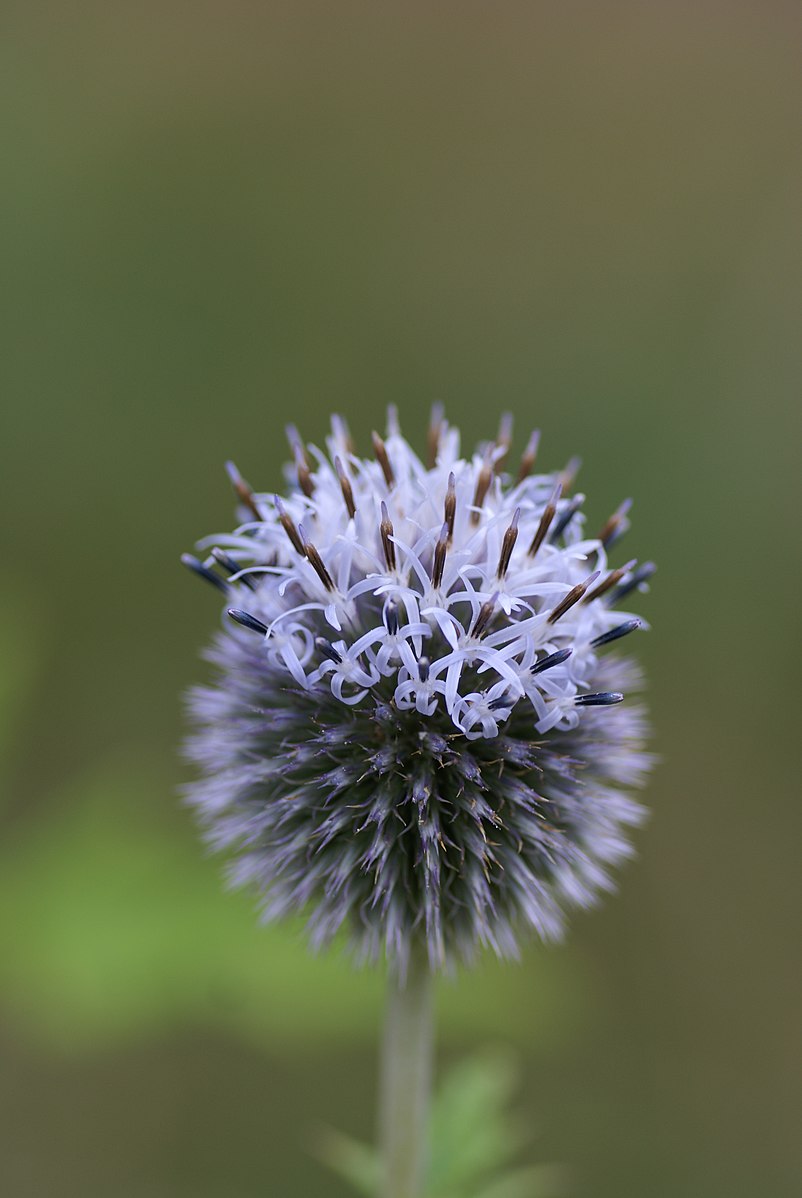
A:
(414, 729)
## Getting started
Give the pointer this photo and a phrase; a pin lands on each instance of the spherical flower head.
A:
(414, 732)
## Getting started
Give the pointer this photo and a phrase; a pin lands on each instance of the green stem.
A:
(406, 1080)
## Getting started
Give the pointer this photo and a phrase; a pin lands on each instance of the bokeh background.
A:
(218, 217)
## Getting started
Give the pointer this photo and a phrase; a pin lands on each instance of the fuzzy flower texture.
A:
(414, 731)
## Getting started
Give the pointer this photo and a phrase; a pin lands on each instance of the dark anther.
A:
(483, 481)
(233, 567)
(380, 450)
(600, 699)
(504, 438)
(391, 617)
(641, 575)
(501, 701)
(302, 470)
(573, 596)
(440, 551)
(529, 456)
(566, 516)
(433, 436)
(296, 445)
(342, 433)
(393, 423)
(247, 621)
(386, 530)
(508, 544)
(569, 473)
(346, 488)
(612, 578)
(616, 525)
(197, 567)
(450, 506)
(315, 560)
(328, 650)
(484, 616)
(614, 634)
(242, 490)
(423, 668)
(288, 524)
(553, 659)
(549, 513)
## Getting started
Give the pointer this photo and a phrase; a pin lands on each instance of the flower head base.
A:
(414, 732)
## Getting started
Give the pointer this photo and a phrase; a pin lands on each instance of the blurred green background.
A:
(218, 217)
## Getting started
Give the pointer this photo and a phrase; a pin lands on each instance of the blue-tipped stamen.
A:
(246, 620)
(565, 517)
(390, 616)
(600, 699)
(553, 659)
(641, 575)
(228, 563)
(328, 650)
(615, 634)
(197, 567)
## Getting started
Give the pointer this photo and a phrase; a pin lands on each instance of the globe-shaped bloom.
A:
(414, 731)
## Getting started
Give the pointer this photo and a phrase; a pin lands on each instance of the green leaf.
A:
(472, 1133)
(354, 1162)
(473, 1140)
(536, 1181)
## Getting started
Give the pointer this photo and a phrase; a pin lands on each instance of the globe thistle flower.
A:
(414, 732)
